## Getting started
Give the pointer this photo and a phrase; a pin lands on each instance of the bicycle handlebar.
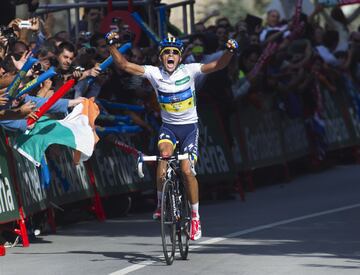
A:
(157, 158)
(142, 159)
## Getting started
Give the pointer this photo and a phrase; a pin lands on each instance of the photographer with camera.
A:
(65, 56)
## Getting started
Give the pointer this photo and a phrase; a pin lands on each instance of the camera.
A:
(74, 68)
(8, 33)
(37, 68)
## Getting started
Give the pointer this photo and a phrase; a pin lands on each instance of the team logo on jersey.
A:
(182, 81)
(176, 102)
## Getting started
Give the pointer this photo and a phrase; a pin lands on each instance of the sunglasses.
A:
(173, 51)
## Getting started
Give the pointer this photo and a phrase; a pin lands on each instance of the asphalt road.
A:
(308, 226)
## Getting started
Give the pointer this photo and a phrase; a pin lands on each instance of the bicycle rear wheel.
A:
(168, 222)
(184, 224)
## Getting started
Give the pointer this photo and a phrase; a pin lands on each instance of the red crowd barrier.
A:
(21, 231)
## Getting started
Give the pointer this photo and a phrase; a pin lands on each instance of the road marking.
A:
(237, 234)
(132, 268)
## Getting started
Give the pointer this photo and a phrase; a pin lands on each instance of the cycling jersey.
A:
(175, 92)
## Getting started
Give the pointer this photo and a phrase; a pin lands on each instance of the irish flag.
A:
(77, 130)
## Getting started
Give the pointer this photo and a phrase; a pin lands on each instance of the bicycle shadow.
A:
(130, 257)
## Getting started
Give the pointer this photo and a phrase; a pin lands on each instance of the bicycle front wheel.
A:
(184, 224)
(168, 222)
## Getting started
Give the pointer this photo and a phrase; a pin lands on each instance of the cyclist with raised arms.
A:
(175, 89)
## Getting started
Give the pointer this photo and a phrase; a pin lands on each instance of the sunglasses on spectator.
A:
(171, 51)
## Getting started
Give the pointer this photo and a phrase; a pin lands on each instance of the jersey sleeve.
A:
(149, 71)
(194, 68)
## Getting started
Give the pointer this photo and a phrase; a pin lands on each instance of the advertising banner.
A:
(337, 133)
(215, 161)
(260, 137)
(294, 138)
(69, 182)
(349, 97)
(32, 194)
(8, 203)
(116, 171)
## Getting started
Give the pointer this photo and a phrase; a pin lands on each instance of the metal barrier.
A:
(148, 4)
(184, 5)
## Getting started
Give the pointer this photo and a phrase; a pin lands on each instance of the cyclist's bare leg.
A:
(191, 182)
(160, 174)
(166, 149)
(193, 194)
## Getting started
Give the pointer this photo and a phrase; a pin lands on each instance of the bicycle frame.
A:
(175, 213)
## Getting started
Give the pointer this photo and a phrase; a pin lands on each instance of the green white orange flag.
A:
(77, 131)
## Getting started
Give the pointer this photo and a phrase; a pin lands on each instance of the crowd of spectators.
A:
(284, 60)
(307, 52)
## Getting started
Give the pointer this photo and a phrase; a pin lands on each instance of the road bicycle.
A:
(175, 207)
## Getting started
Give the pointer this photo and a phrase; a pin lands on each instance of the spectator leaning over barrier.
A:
(24, 111)
(66, 53)
(174, 85)
(28, 105)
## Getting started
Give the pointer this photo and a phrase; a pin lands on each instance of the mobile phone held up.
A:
(25, 24)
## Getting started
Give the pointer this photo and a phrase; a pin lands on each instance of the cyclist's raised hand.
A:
(112, 38)
(232, 45)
